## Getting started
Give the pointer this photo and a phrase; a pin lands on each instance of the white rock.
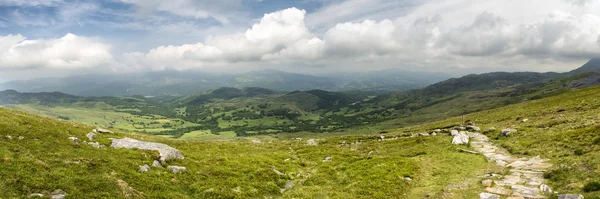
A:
(9, 137)
(166, 152)
(453, 132)
(545, 189)
(156, 164)
(91, 136)
(36, 195)
(312, 142)
(21, 137)
(101, 130)
(488, 196)
(327, 159)
(145, 168)
(570, 196)
(74, 139)
(507, 132)
(96, 145)
(461, 138)
(177, 169)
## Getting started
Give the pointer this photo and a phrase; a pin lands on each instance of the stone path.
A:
(525, 177)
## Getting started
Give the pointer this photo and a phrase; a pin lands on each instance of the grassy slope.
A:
(45, 160)
(562, 128)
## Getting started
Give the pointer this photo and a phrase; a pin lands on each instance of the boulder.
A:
(453, 132)
(473, 128)
(570, 196)
(487, 183)
(177, 169)
(145, 168)
(166, 152)
(91, 136)
(461, 138)
(327, 159)
(156, 164)
(101, 130)
(488, 196)
(96, 145)
(545, 189)
(506, 132)
(74, 139)
(58, 194)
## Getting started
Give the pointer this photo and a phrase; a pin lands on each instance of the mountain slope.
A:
(593, 64)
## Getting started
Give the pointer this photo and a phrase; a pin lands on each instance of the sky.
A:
(47, 38)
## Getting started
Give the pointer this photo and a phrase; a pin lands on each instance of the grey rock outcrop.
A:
(461, 138)
(488, 196)
(74, 139)
(453, 132)
(91, 136)
(101, 130)
(506, 132)
(570, 196)
(177, 169)
(166, 152)
(96, 145)
(145, 168)
(157, 164)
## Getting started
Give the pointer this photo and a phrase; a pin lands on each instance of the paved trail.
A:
(525, 177)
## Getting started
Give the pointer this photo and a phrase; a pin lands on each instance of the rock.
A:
(96, 144)
(524, 120)
(58, 194)
(461, 138)
(545, 189)
(453, 132)
(21, 137)
(524, 190)
(256, 141)
(91, 136)
(74, 139)
(289, 184)
(492, 129)
(177, 169)
(437, 130)
(506, 132)
(487, 183)
(101, 130)
(145, 168)
(423, 134)
(570, 196)
(498, 190)
(408, 179)
(166, 152)
(37, 195)
(156, 164)
(278, 172)
(327, 159)
(434, 134)
(312, 142)
(488, 196)
(474, 128)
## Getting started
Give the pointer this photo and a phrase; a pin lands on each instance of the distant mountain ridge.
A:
(183, 83)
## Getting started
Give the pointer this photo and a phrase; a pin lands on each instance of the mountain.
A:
(53, 98)
(593, 64)
(176, 83)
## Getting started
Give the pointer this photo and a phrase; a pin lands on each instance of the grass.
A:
(360, 166)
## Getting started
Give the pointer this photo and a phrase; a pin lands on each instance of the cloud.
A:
(199, 9)
(68, 52)
(30, 2)
(366, 38)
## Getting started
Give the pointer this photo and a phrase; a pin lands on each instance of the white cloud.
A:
(366, 38)
(70, 51)
(29, 2)
(222, 10)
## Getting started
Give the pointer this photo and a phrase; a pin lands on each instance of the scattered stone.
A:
(437, 130)
(327, 159)
(91, 136)
(39, 195)
(524, 120)
(381, 137)
(58, 194)
(96, 145)
(166, 152)
(177, 169)
(423, 134)
(408, 179)
(434, 134)
(157, 164)
(145, 168)
(21, 137)
(472, 127)
(545, 189)
(524, 190)
(9, 137)
(488, 196)
(256, 141)
(461, 138)
(570, 196)
(312, 142)
(453, 132)
(498, 190)
(101, 130)
(506, 132)
(289, 184)
(74, 139)
(278, 172)
(487, 183)
(492, 129)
